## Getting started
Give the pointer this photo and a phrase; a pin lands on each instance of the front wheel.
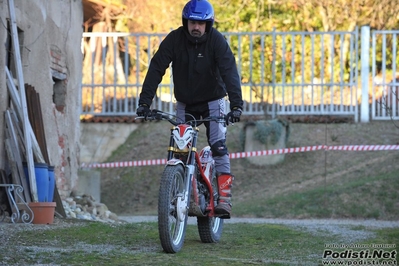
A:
(172, 209)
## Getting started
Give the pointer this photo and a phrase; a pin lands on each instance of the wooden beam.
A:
(36, 119)
(17, 157)
(13, 165)
(17, 103)
(20, 77)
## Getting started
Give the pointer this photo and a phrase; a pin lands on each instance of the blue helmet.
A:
(199, 10)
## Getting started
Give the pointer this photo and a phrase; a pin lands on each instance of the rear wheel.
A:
(210, 228)
(172, 210)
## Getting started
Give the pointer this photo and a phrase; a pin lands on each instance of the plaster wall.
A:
(99, 140)
(50, 44)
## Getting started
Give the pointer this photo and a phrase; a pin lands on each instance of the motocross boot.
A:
(223, 209)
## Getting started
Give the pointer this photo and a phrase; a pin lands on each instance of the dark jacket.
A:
(204, 69)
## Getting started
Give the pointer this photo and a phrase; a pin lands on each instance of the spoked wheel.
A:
(172, 209)
(210, 228)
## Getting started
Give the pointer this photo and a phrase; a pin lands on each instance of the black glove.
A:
(143, 110)
(234, 115)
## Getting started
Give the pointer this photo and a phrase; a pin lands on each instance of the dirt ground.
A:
(133, 191)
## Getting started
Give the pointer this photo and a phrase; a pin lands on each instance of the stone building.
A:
(49, 36)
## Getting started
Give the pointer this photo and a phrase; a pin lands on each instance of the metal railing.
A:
(282, 73)
(385, 67)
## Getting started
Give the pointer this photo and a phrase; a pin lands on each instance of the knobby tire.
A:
(171, 230)
(210, 228)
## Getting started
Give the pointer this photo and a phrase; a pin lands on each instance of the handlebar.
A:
(158, 115)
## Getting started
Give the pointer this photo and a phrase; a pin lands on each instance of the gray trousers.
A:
(215, 132)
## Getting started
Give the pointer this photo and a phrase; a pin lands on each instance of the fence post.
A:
(365, 65)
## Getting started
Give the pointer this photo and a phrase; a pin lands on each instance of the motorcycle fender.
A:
(174, 161)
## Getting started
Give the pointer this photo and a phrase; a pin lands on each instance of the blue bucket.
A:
(42, 180)
(51, 185)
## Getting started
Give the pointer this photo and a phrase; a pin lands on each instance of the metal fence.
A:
(282, 73)
(385, 67)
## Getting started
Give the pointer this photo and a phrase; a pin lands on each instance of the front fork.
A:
(183, 201)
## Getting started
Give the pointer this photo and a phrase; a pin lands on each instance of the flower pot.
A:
(43, 212)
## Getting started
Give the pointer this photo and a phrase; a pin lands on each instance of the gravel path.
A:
(293, 222)
(347, 230)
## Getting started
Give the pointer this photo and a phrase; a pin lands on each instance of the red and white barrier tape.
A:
(274, 152)
(238, 155)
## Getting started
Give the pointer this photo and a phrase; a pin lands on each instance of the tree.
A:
(153, 16)
(347, 14)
